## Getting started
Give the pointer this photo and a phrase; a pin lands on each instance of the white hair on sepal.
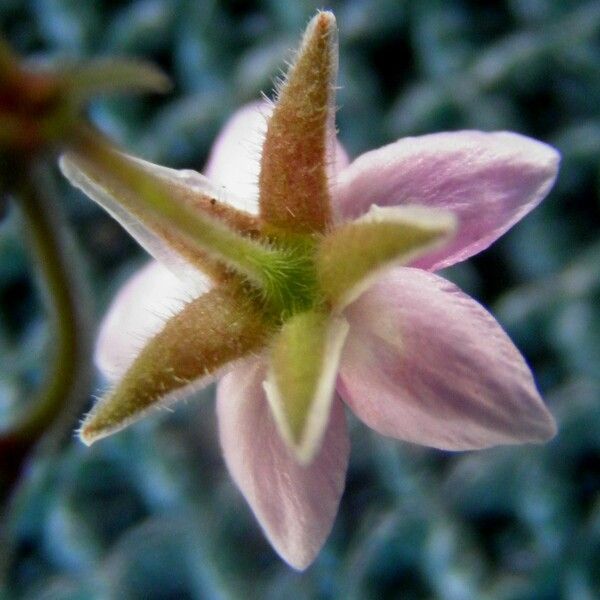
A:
(331, 149)
(280, 79)
(184, 393)
(191, 387)
(171, 307)
(295, 52)
(124, 333)
(163, 403)
(78, 430)
(265, 99)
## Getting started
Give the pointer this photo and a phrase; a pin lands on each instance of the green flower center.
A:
(290, 281)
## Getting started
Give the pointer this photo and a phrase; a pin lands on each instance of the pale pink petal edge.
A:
(488, 180)
(139, 310)
(294, 504)
(427, 364)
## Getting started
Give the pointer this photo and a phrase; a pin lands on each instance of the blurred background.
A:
(151, 512)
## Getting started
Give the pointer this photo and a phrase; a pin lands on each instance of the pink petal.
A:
(425, 363)
(138, 311)
(295, 505)
(489, 180)
(234, 161)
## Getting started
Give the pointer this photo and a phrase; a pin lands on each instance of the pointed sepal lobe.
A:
(195, 345)
(294, 186)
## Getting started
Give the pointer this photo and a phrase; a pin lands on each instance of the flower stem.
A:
(67, 376)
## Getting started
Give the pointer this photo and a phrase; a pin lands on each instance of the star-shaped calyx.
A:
(280, 279)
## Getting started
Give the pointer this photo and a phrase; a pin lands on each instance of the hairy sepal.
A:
(301, 379)
(299, 144)
(197, 344)
(351, 256)
(163, 213)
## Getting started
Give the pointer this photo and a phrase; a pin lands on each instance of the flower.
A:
(320, 288)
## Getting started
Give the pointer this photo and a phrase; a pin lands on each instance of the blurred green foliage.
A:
(151, 513)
